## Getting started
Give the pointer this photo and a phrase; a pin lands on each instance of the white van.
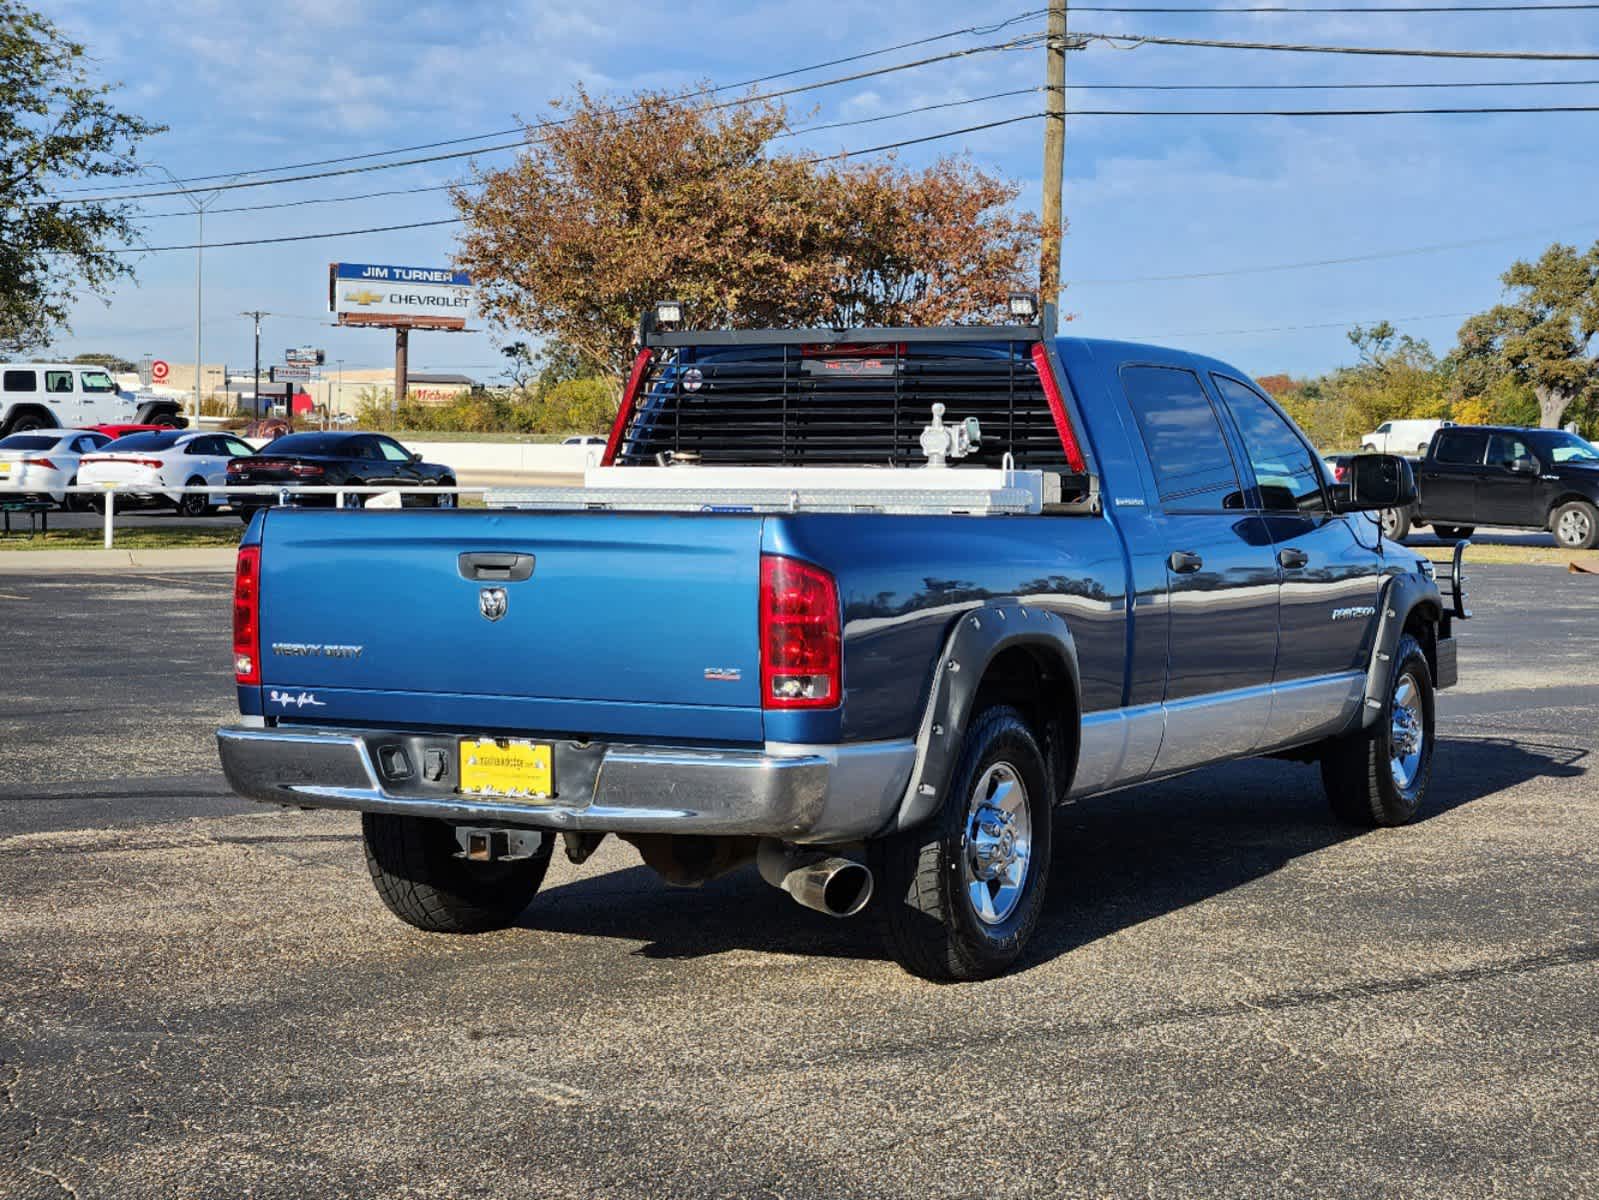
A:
(70, 396)
(1401, 437)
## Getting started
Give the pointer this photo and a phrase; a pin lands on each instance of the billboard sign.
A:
(406, 297)
(308, 356)
(296, 373)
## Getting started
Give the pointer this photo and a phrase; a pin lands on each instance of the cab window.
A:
(96, 381)
(58, 383)
(1285, 469)
(1385, 427)
(1194, 470)
(1462, 447)
(392, 451)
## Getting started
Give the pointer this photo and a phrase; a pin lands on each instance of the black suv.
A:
(1499, 475)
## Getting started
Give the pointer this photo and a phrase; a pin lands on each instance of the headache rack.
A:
(808, 398)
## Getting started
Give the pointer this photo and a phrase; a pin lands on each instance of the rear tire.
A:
(990, 838)
(26, 423)
(1379, 776)
(194, 504)
(418, 877)
(1395, 523)
(1575, 525)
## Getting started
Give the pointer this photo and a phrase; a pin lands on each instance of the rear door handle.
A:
(1184, 562)
(495, 566)
(1293, 559)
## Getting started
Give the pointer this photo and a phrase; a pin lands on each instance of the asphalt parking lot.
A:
(1229, 996)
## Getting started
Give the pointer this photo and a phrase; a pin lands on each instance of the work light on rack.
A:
(1023, 306)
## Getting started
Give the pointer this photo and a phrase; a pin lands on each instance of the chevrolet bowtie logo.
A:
(363, 297)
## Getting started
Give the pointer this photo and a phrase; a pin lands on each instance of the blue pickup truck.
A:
(877, 601)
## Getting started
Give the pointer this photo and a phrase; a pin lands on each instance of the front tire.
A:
(962, 892)
(1576, 525)
(1379, 776)
(414, 867)
(1395, 524)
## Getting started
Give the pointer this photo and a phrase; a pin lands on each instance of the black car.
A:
(1501, 475)
(337, 460)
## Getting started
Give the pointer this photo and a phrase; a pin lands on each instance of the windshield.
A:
(1568, 447)
(142, 441)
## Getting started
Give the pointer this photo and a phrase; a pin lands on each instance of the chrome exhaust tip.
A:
(839, 887)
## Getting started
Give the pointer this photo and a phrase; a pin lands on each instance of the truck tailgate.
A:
(629, 625)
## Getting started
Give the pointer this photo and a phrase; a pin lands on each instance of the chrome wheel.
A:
(1390, 523)
(1407, 736)
(1574, 528)
(997, 847)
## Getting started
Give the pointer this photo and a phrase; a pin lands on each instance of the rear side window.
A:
(1193, 467)
(1285, 470)
(58, 383)
(20, 381)
(1461, 446)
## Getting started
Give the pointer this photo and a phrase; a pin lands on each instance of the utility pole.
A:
(256, 315)
(402, 347)
(1054, 164)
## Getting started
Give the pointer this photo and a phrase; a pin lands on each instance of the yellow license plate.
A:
(516, 769)
(5, 468)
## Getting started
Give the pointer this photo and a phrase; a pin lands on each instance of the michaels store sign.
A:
(412, 297)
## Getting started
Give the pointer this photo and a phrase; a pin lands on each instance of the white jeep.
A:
(71, 396)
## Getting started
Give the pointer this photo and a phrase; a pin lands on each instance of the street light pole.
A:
(256, 315)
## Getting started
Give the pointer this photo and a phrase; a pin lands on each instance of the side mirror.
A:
(416, 456)
(1376, 481)
(1524, 466)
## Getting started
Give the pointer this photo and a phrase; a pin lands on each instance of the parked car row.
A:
(153, 465)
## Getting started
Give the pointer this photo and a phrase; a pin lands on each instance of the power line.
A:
(973, 30)
(1014, 44)
(1367, 8)
(1136, 40)
(309, 237)
(1322, 87)
(1344, 324)
(1329, 112)
(442, 187)
(1435, 248)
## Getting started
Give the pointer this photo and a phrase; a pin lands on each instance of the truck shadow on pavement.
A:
(1120, 860)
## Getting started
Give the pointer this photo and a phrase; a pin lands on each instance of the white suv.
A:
(68, 395)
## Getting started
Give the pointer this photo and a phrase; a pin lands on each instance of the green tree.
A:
(56, 125)
(1542, 336)
(114, 363)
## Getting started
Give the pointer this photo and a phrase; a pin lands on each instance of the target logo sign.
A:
(159, 371)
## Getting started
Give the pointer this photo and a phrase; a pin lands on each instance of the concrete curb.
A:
(56, 562)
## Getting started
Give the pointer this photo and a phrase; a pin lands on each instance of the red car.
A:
(115, 431)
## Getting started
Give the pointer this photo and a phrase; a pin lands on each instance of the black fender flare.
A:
(978, 637)
(147, 412)
(1402, 595)
(18, 411)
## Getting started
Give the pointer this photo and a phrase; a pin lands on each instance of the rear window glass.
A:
(20, 381)
(1187, 448)
(1464, 446)
(27, 441)
(314, 443)
(144, 441)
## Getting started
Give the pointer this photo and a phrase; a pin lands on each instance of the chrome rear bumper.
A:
(797, 793)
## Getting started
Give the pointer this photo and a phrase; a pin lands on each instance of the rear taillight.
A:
(247, 616)
(304, 469)
(800, 644)
(39, 462)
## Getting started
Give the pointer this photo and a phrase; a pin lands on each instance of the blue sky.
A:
(247, 86)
